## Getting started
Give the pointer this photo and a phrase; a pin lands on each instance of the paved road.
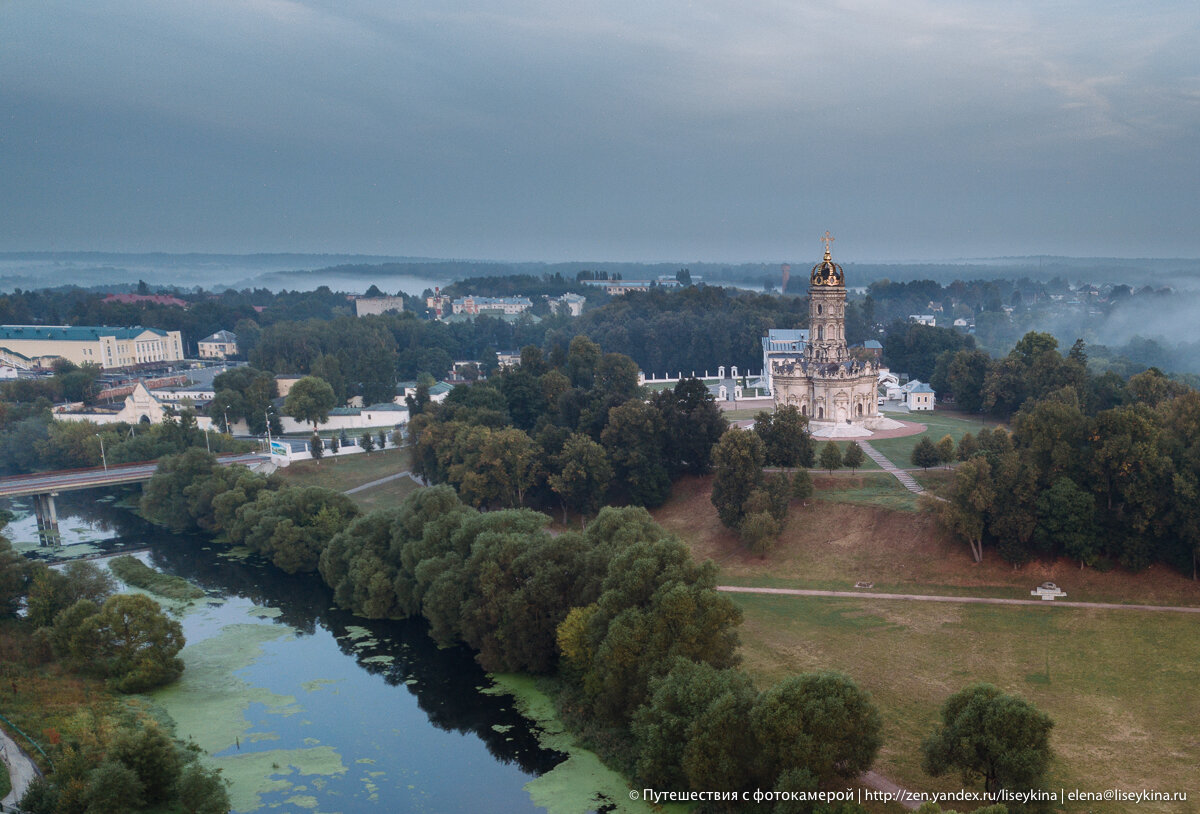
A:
(976, 600)
(42, 482)
(21, 769)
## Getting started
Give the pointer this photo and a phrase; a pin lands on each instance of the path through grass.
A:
(1119, 686)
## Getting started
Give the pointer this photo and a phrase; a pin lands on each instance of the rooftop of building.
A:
(74, 333)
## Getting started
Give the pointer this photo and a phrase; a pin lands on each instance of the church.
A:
(838, 393)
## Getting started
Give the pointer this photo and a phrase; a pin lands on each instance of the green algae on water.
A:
(253, 774)
(318, 683)
(580, 783)
(208, 702)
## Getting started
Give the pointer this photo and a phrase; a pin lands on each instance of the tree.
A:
(52, 590)
(831, 457)
(310, 400)
(382, 439)
(989, 734)
(129, 641)
(967, 446)
(316, 447)
(925, 454)
(945, 450)
(367, 442)
(821, 722)
(203, 791)
(738, 459)
(965, 510)
(292, 525)
(854, 457)
(785, 436)
(149, 753)
(691, 730)
(694, 424)
(1066, 521)
(582, 476)
(802, 485)
(634, 438)
(14, 571)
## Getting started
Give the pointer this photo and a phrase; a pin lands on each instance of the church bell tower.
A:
(827, 311)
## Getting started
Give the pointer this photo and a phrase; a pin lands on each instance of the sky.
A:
(668, 131)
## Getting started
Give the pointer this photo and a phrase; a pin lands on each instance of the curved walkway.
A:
(381, 481)
(21, 770)
(976, 600)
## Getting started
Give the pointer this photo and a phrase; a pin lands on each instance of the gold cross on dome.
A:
(827, 239)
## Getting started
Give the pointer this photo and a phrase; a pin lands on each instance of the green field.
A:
(872, 488)
(956, 425)
(1119, 685)
(386, 495)
(347, 471)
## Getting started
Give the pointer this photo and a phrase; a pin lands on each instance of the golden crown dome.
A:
(828, 272)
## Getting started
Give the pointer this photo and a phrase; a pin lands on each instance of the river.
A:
(306, 707)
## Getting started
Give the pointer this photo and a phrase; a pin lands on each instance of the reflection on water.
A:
(407, 719)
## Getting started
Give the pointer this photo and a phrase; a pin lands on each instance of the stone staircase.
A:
(906, 480)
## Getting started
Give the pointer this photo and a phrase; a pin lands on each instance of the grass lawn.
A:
(876, 488)
(938, 423)
(347, 471)
(386, 495)
(1119, 686)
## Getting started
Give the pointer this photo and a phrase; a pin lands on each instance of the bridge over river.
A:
(45, 486)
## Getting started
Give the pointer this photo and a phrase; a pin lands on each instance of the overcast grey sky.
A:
(549, 130)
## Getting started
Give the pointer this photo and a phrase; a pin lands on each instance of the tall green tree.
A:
(822, 722)
(128, 640)
(965, 510)
(582, 476)
(634, 439)
(988, 734)
(691, 733)
(310, 400)
(831, 456)
(854, 457)
(694, 424)
(738, 460)
(785, 436)
(925, 454)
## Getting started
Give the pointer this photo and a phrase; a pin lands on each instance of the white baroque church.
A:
(839, 394)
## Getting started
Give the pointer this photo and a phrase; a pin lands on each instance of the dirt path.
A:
(21, 770)
(900, 795)
(977, 600)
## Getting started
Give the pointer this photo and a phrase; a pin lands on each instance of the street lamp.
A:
(103, 457)
(267, 416)
(226, 413)
(207, 445)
